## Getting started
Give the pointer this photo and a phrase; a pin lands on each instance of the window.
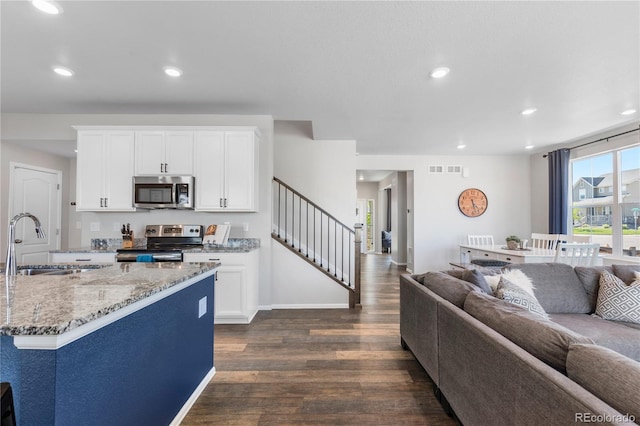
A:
(582, 194)
(611, 217)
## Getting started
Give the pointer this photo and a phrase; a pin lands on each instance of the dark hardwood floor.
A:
(321, 366)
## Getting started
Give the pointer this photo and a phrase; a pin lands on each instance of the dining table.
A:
(469, 252)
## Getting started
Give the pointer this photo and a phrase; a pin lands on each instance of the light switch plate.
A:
(202, 307)
(94, 226)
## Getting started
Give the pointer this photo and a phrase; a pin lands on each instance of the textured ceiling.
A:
(357, 70)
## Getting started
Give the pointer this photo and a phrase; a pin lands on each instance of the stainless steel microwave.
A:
(163, 192)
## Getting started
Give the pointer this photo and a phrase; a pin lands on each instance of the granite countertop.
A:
(55, 304)
(234, 245)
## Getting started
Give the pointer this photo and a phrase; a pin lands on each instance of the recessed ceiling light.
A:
(50, 7)
(528, 111)
(439, 72)
(628, 112)
(172, 71)
(63, 71)
(528, 147)
(461, 146)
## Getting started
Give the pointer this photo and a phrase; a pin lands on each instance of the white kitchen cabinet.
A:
(79, 257)
(226, 171)
(164, 152)
(105, 170)
(236, 290)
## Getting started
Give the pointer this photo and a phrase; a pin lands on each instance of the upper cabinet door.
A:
(119, 152)
(149, 153)
(105, 171)
(209, 171)
(164, 153)
(90, 171)
(178, 153)
(226, 171)
(241, 173)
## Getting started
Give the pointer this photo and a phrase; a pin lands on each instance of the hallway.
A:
(321, 366)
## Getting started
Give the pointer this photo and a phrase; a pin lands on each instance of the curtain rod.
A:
(599, 140)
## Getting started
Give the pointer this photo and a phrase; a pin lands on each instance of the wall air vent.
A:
(454, 169)
(436, 169)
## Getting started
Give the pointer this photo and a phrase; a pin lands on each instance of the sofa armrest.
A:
(613, 377)
(419, 323)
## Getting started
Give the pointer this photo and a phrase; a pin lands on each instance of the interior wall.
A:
(410, 219)
(323, 171)
(439, 227)
(12, 152)
(83, 226)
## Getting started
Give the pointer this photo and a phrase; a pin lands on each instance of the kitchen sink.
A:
(52, 271)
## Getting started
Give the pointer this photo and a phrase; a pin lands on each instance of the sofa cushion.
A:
(476, 278)
(557, 287)
(542, 338)
(448, 287)
(515, 294)
(607, 374)
(614, 335)
(590, 278)
(618, 301)
(626, 272)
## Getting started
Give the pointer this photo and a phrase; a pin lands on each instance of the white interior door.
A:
(36, 191)
(361, 217)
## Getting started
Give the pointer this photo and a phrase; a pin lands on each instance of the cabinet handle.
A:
(508, 258)
(221, 203)
(486, 254)
(101, 202)
(161, 167)
(83, 260)
(166, 167)
(225, 202)
(213, 259)
(106, 202)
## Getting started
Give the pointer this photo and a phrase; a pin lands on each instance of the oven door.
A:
(125, 255)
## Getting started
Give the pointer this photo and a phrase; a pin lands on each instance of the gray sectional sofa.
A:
(493, 362)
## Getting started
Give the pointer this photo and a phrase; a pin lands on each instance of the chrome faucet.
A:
(10, 266)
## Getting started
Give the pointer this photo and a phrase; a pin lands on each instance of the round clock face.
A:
(472, 202)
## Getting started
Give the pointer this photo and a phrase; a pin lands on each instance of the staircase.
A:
(318, 238)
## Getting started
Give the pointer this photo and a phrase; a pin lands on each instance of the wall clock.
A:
(472, 202)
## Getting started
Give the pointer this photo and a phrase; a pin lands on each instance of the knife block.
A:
(127, 240)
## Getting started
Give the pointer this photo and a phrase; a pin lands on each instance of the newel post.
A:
(354, 297)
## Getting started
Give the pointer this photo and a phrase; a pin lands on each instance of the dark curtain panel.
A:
(388, 192)
(558, 191)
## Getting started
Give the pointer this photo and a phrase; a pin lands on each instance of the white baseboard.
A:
(398, 263)
(313, 306)
(192, 399)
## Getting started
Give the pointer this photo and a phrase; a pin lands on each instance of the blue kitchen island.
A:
(125, 344)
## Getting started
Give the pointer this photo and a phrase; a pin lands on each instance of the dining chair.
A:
(544, 241)
(480, 240)
(577, 254)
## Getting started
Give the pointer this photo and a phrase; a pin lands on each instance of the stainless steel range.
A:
(165, 243)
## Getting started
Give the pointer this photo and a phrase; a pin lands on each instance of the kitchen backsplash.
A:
(116, 243)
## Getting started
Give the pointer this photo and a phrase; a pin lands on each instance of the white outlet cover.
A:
(94, 227)
(202, 307)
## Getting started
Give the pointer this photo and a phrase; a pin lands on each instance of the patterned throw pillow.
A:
(515, 294)
(618, 301)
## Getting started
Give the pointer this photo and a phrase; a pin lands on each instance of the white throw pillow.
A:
(516, 276)
(618, 301)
